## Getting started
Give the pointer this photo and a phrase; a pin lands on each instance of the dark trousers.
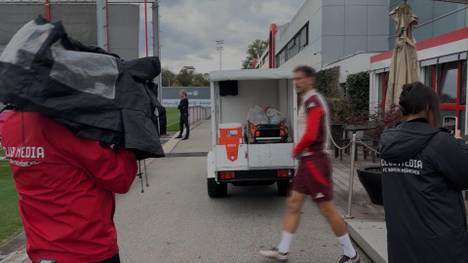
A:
(184, 121)
(114, 259)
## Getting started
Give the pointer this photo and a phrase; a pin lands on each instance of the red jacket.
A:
(66, 189)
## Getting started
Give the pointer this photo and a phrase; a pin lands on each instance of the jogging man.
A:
(313, 175)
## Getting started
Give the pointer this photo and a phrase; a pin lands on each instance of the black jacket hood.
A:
(403, 142)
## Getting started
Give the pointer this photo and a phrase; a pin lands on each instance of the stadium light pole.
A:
(219, 48)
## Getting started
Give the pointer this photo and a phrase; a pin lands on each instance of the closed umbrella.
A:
(404, 68)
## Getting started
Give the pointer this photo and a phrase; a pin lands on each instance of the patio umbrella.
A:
(404, 68)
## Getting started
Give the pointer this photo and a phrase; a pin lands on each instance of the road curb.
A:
(12, 248)
(360, 231)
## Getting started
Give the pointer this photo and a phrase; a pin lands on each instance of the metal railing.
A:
(353, 144)
(198, 113)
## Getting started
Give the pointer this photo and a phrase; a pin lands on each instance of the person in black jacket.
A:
(184, 115)
(424, 171)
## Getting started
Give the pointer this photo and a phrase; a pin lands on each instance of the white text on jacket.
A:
(412, 166)
(25, 152)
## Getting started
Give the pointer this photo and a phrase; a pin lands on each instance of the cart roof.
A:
(251, 74)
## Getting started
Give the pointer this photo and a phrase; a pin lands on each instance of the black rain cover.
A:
(94, 93)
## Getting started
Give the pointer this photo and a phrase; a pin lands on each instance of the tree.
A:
(254, 52)
(168, 78)
(189, 77)
(185, 76)
(200, 80)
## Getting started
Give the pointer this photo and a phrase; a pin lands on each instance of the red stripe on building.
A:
(47, 11)
(146, 27)
(272, 46)
(429, 43)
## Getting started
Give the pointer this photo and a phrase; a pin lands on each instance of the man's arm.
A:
(313, 122)
(452, 160)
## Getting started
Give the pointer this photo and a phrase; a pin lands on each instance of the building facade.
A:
(324, 32)
(442, 36)
(435, 18)
(116, 25)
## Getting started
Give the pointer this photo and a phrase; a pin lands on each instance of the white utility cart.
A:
(235, 156)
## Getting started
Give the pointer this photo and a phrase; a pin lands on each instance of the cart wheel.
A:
(216, 189)
(283, 188)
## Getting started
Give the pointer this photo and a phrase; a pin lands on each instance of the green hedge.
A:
(357, 90)
(327, 82)
(340, 109)
(10, 222)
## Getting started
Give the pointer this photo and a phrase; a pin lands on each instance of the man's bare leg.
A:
(291, 223)
(337, 223)
(293, 214)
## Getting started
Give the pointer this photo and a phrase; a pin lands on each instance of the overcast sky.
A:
(189, 29)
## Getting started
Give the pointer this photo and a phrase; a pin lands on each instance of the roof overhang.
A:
(454, 1)
(251, 74)
(73, 1)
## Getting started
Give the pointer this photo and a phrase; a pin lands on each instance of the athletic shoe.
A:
(274, 254)
(346, 259)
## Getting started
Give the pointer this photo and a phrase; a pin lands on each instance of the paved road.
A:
(175, 221)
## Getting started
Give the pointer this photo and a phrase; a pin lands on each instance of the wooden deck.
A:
(362, 207)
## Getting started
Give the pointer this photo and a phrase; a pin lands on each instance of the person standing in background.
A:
(184, 115)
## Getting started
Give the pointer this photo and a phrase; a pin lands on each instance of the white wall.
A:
(352, 65)
(286, 102)
(309, 12)
(337, 28)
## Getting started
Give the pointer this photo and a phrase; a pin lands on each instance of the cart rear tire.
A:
(283, 188)
(215, 189)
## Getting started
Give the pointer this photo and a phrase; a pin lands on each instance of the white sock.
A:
(348, 248)
(286, 239)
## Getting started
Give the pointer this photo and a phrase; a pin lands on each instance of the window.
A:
(293, 49)
(463, 83)
(382, 91)
(449, 81)
(281, 58)
(292, 43)
(294, 46)
(428, 73)
(304, 37)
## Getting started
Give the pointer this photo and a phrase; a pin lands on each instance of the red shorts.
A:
(314, 178)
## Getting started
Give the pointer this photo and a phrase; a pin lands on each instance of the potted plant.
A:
(371, 179)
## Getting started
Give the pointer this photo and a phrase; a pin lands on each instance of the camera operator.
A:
(66, 187)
